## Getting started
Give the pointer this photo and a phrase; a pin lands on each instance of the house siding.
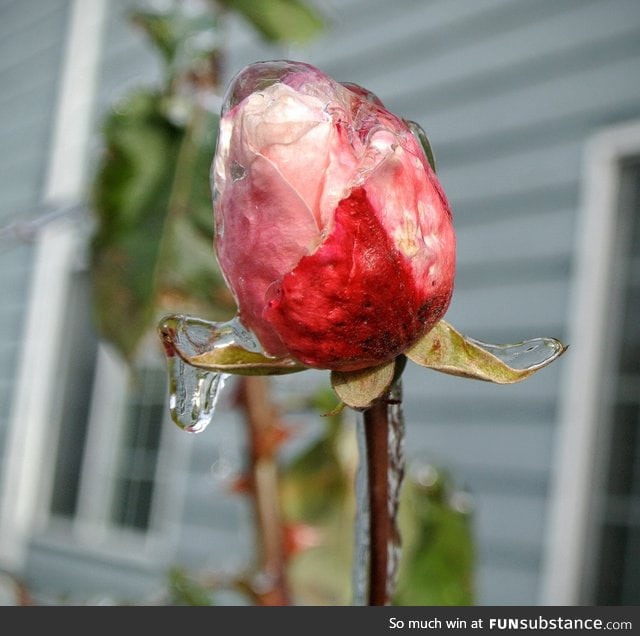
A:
(32, 36)
(509, 92)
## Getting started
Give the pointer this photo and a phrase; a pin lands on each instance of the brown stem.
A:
(383, 450)
(263, 436)
(375, 422)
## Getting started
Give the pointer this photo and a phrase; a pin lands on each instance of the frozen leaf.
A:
(239, 361)
(219, 347)
(444, 349)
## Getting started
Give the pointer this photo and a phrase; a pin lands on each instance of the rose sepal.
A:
(446, 350)
(213, 352)
(238, 361)
(359, 389)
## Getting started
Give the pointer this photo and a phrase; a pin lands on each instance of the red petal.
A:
(353, 303)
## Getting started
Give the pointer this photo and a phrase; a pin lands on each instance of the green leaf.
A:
(359, 389)
(316, 489)
(161, 31)
(444, 349)
(185, 590)
(180, 33)
(315, 481)
(279, 20)
(152, 250)
(438, 557)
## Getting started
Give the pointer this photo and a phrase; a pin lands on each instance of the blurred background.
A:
(533, 113)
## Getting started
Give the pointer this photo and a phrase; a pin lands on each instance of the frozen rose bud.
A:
(331, 227)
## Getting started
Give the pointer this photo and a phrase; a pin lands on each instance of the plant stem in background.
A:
(383, 424)
(264, 436)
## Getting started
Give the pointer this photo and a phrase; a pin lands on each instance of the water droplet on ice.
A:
(526, 355)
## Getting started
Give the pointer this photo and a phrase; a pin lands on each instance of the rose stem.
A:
(379, 418)
(261, 419)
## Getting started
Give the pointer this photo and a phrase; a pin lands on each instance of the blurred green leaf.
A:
(161, 30)
(438, 560)
(188, 38)
(184, 590)
(317, 490)
(314, 481)
(152, 249)
(279, 20)
(174, 27)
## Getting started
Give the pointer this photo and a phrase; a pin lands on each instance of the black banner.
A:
(331, 621)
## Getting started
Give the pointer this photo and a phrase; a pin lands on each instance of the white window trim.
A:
(101, 448)
(575, 465)
(67, 170)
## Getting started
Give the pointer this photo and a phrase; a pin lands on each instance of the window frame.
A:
(581, 444)
(28, 479)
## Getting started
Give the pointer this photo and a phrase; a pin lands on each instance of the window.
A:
(92, 473)
(109, 421)
(593, 553)
(138, 461)
(77, 366)
(617, 563)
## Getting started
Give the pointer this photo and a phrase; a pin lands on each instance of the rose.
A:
(332, 229)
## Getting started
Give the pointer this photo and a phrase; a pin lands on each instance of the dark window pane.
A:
(75, 373)
(139, 453)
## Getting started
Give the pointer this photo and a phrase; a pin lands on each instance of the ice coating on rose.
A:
(332, 229)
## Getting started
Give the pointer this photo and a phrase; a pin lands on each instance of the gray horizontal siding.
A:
(64, 572)
(31, 44)
(128, 61)
(508, 91)
(15, 270)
